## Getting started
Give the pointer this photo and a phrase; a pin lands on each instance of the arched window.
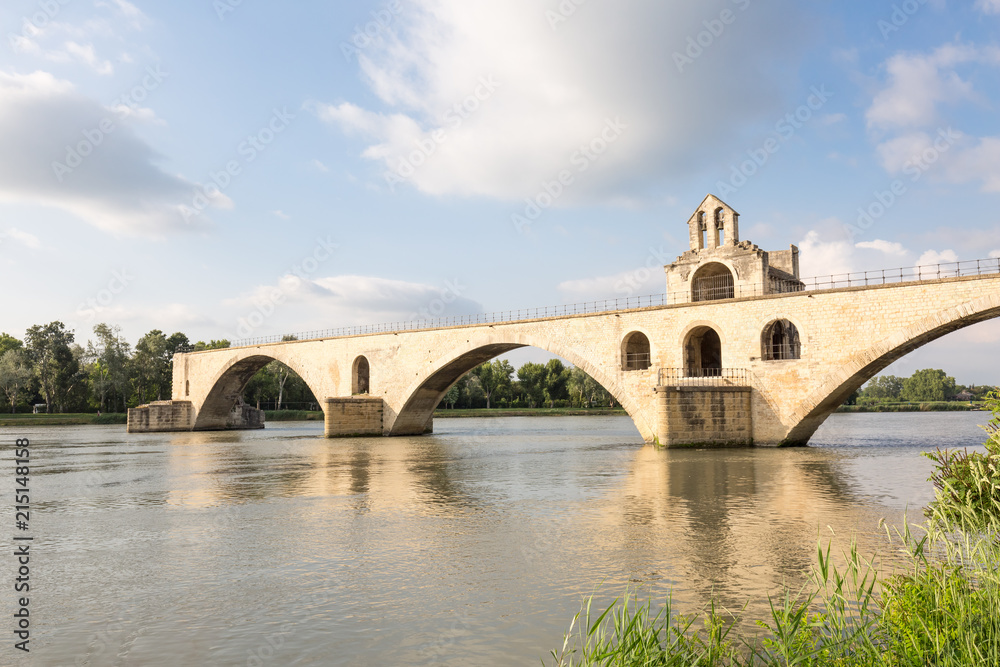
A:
(720, 227)
(703, 353)
(360, 376)
(780, 340)
(712, 281)
(702, 230)
(635, 352)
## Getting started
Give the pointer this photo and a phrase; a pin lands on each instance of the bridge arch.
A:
(228, 385)
(422, 396)
(863, 366)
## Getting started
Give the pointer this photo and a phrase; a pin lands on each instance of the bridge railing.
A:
(703, 377)
(975, 267)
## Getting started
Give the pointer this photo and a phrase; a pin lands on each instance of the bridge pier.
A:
(700, 416)
(353, 417)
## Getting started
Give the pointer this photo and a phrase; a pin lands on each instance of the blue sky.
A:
(185, 165)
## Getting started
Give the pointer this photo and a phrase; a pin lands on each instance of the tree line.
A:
(497, 384)
(929, 384)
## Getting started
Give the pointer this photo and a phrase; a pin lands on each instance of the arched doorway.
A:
(360, 376)
(635, 352)
(703, 353)
(712, 281)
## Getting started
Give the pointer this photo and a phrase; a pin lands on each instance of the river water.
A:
(472, 546)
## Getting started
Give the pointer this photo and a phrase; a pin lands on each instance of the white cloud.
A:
(988, 6)
(339, 301)
(552, 91)
(887, 247)
(282, 215)
(932, 257)
(638, 282)
(818, 257)
(995, 254)
(85, 54)
(117, 185)
(320, 166)
(24, 238)
(918, 83)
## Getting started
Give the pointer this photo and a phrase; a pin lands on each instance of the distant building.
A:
(964, 395)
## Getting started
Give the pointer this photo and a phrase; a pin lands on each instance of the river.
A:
(471, 546)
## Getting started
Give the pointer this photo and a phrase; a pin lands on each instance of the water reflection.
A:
(472, 545)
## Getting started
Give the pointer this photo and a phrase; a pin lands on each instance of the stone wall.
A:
(704, 416)
(350, 417)
(160, 416)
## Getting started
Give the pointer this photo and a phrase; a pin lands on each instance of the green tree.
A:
(451, 396)
(494, 378)
(51, 358)
(151, 372)
(883, 388)
(8, 342)
(177, 341)
(556, 378)
(532, 378)
(928, 385)
(15, 374)
(108, 366)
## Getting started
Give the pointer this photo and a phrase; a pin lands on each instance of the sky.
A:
(229, 169)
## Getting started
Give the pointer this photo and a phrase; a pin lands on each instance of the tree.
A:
(532, 378)
(177, 341)
(51, 358)
(452, 395)
(109, 365)
(884, 388)
(494, 378)
(151, 366)
(556, 378)
(8, 342)
(15, 374)
(928, 385)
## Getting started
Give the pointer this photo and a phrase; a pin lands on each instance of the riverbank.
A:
(931, 406)
(68, 419)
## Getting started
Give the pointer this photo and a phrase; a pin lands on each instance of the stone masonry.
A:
(843, 337)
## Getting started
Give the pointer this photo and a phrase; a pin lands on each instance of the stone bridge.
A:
(796, 353)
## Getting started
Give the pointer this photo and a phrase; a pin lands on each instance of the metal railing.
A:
(703, 377)
(976, 267)
(637, 361)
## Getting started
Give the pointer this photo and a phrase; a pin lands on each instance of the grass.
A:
(292, 415)
(940, 608)
(61, 419)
